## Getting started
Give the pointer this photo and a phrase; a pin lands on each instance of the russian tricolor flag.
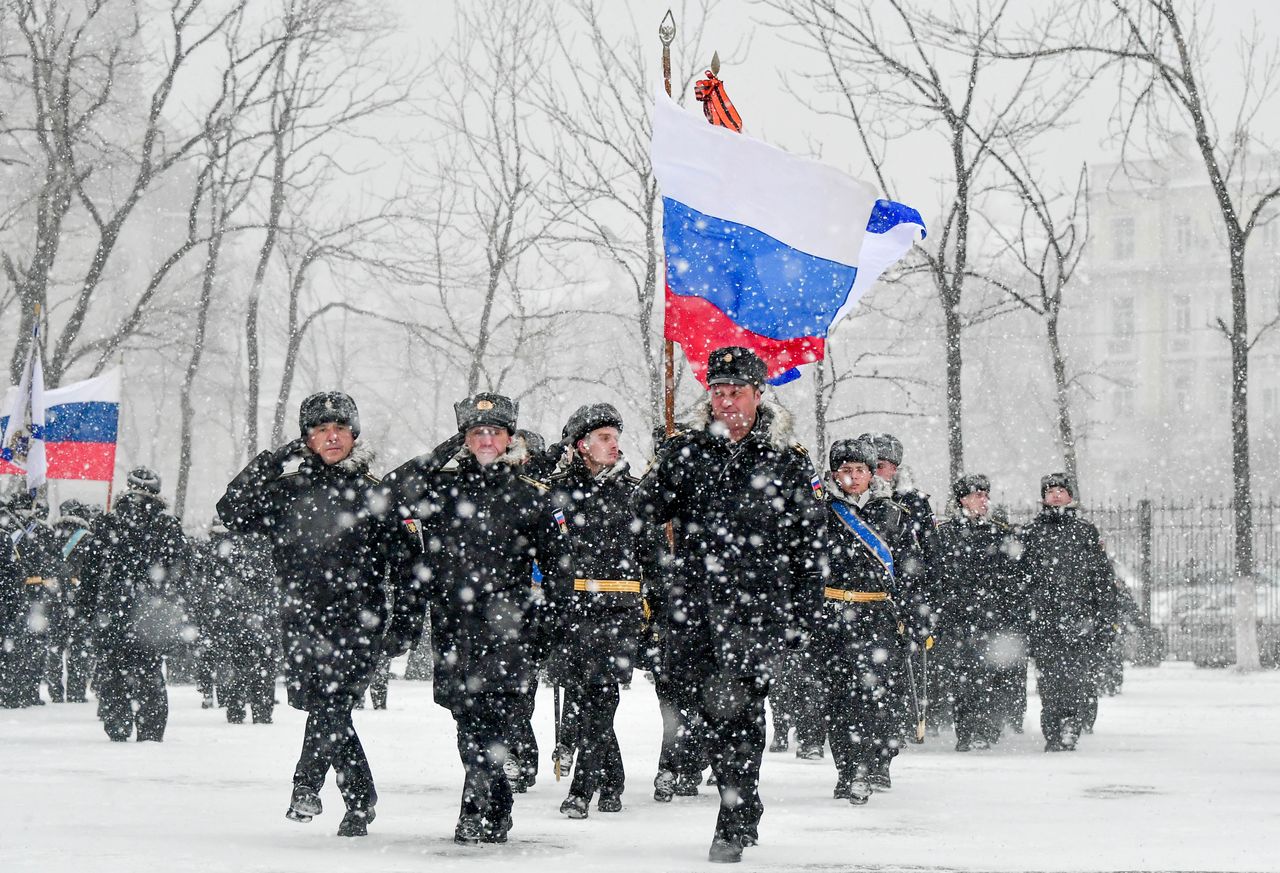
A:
(764, 249)
(78, 429)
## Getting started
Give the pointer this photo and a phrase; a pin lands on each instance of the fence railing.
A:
(1178, 560)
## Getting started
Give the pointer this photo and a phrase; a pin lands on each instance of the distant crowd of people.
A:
(732, 569)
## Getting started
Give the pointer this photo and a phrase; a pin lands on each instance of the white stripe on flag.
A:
(798, 201)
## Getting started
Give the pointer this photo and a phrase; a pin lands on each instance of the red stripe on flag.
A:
(700, 328)
(7, 469)
(93, 461)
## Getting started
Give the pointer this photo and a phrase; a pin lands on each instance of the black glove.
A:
(285, 452)
(797, 639)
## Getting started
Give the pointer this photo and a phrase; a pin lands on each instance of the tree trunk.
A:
(955, 423)
(193, 367)
(1066, 430)
(820, 403)
(1246, 619)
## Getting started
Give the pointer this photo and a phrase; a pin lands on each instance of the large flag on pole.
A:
(21, 429)
(764, 249)
(80, 425)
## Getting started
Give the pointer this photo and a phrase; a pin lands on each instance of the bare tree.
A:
(599, 95)
(324, 84)
(1161, 51)
(894, 69)
(1046, 247)
(108, 177)
(488, 194)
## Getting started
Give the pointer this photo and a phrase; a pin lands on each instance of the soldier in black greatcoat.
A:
(1073, 609)
(74, 640)
(856, 655)
(981, 614)
(745, 579)
(25, 563)
(336, 541)
(922, 529)
(132, 590)
(484, 524)
(598, 618)
(239, 616)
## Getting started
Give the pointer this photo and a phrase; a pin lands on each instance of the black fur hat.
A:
(326, 407)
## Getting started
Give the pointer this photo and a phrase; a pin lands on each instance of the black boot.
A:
(664, 786)
(356, 822)
(575, 806)
(304, 805)
(725, 850)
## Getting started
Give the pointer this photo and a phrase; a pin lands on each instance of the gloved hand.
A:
(797, 639)
(285, 452)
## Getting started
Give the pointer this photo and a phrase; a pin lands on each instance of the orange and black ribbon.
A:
(716, 103)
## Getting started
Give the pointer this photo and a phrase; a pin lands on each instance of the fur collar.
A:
(355, 464)
(903, 480)
(571, 463)
(74, 521)
(879, 490)
(515, 456)
(773, 422)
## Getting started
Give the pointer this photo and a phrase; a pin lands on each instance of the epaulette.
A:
(801, 449)
(542, 487)
(372, 478)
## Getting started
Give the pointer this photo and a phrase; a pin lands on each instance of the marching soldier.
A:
(336, 540)
(744, 582)
(923, 533)
(857, 646)
(72, 531)
(980, 614)
(132, 587)
(1073, 608)
(485, 524)
(599, 618)
(239, 615)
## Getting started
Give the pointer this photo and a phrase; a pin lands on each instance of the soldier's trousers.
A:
(1065, 682)
(523, 743)
(683, 731)
(734, 714)
(599, 764)
(247, 677)
(973, 694)
(485, 724)
(858, 712)
(329, 742)
(129, 676)
(378, 687)
(786, 694)
(75, 656)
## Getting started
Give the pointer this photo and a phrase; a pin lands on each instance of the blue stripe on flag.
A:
(761, 284)
(888, 214)
(90, 422)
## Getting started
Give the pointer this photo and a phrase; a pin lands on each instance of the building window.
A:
(1183, 314)
(1122, 325)
(1182, 392)
(1122, 243)
(1122, 402)
(1183, 238)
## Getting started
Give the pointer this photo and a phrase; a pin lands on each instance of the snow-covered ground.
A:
(1182, 774)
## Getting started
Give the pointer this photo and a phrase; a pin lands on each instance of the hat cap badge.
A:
(484, 405)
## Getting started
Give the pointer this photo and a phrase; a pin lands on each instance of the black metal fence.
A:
(1178, 561)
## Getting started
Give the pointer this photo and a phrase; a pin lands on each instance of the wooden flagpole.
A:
(667, 33)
